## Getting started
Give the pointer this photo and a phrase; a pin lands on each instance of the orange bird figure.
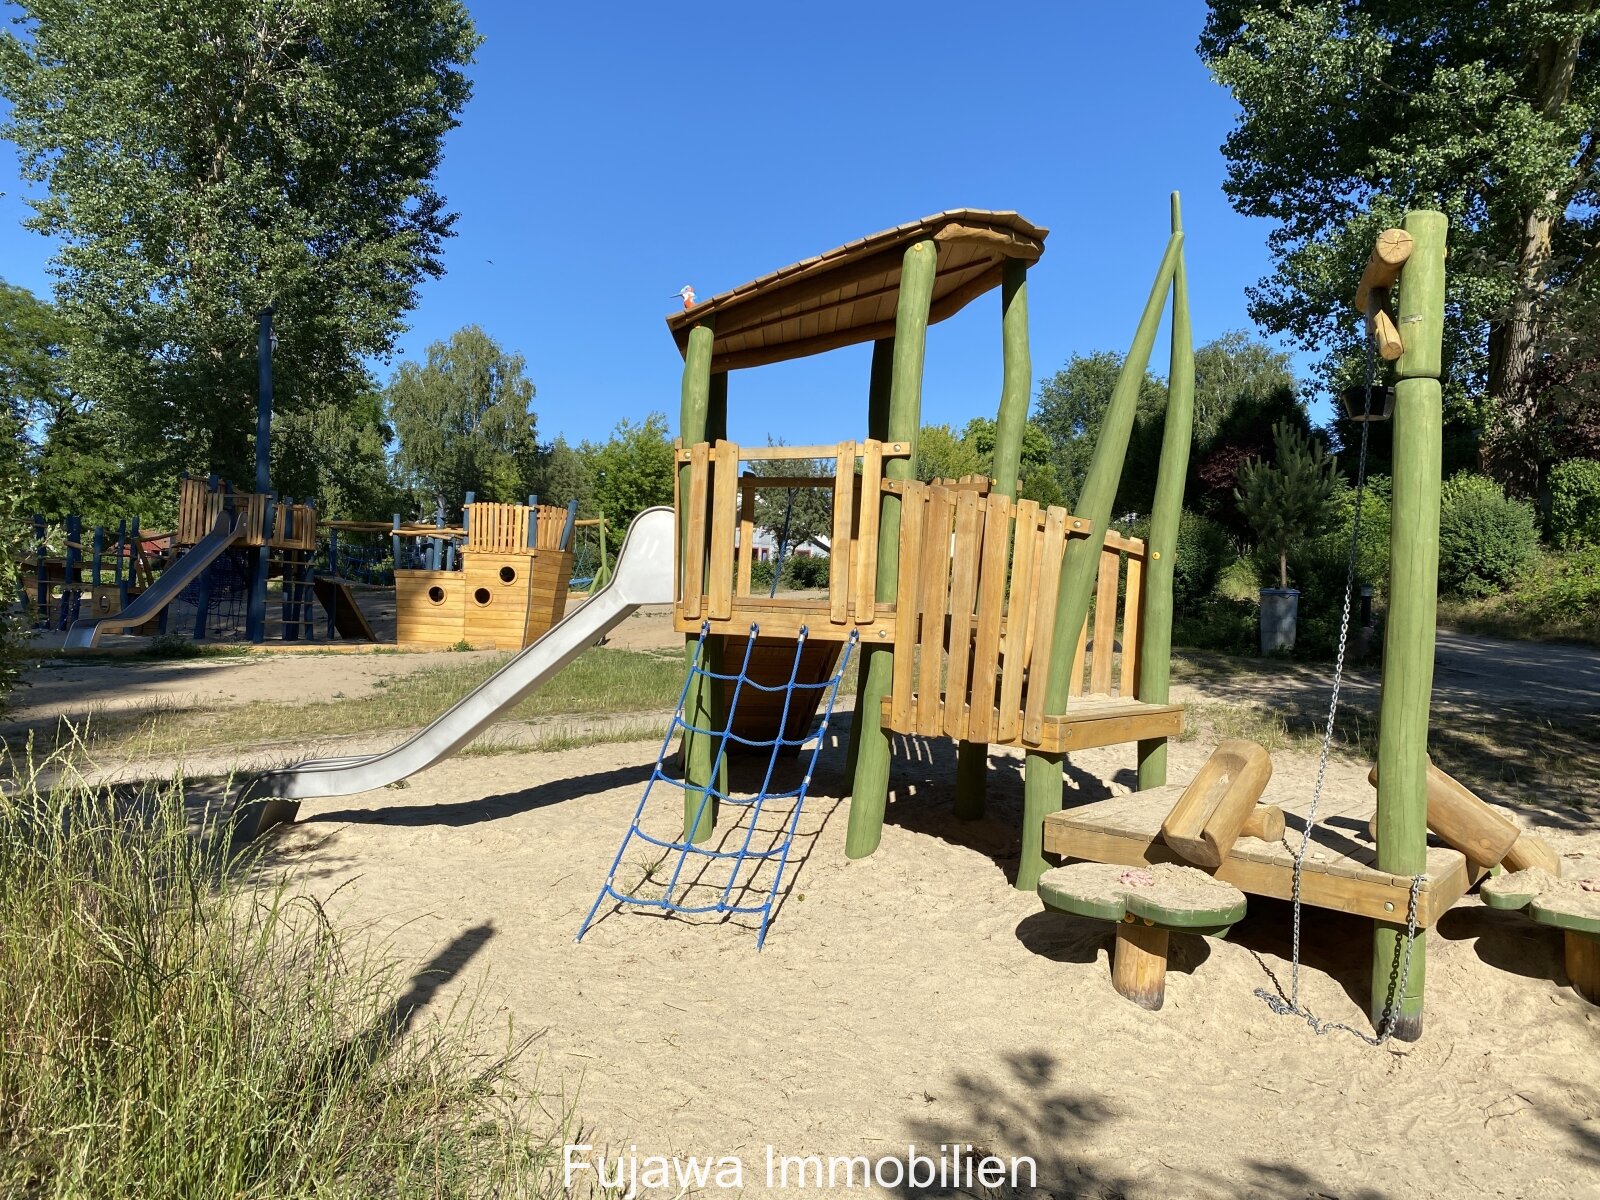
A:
(687, 293)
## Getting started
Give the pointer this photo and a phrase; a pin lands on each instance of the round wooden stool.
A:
(1145, 904)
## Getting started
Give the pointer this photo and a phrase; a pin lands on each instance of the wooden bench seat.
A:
(1089, 721)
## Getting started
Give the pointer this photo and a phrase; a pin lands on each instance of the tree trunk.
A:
(1512, 451)
(1283, 569)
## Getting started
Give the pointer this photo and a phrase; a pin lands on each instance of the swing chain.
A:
(1400, 972)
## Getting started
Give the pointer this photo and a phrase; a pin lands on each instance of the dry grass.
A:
(171, 1031)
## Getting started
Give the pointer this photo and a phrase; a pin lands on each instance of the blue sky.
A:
(611, 154)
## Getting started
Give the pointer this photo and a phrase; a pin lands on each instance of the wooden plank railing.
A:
(717, 515)
(294, 526)
(505, 528)
(976, 601)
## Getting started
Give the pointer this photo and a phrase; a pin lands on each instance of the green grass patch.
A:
(173, 1032)
(601, 681)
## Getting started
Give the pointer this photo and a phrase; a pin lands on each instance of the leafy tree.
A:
(1354, 111)
(795, 516)
(632, 470)
(562, 475)
(203, 160)
(1288, 501)
(1245, 433)
(1236, 369)
(1068, 411)
(14, 537)
(464, 423)
(1035, 467)
(337, 459)
(33, 342)
(942, 453)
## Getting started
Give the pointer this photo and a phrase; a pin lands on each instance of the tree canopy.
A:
(203, 160)
(1354, 111)
(631, 471)
(464, 422)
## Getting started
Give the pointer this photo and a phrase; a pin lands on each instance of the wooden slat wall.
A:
(976, 599)
(504, 528)
(719, 509)
(295, 526)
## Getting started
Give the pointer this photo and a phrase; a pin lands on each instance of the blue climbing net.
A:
(746, 861)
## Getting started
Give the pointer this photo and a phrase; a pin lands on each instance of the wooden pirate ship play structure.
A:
(516, 561)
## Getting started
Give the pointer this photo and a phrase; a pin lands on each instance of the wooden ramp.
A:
(1340, 869)
(339, 601)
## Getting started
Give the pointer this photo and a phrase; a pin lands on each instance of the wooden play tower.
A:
(981, 617)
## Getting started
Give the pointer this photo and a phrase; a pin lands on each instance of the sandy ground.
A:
(916, 998)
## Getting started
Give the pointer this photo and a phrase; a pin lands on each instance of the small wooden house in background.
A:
(511, 588)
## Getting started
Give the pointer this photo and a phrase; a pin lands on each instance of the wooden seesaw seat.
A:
(974, 623)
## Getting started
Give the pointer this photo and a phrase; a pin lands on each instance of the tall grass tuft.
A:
(171, 1030)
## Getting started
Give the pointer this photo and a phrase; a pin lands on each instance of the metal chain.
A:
(1400, 973)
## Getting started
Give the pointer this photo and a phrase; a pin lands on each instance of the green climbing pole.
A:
(869, 793)
(1155, 658)
(1042, 771)
(972, 758)
(1413, 590)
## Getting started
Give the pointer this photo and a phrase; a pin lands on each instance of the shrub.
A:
(1486, 541)
(1574, 518)
(799, 571)
(1204, 549)
(1218, 623)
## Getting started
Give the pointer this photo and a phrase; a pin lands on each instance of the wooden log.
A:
(1413, 613)
(1389, 254)
(1463, 821)
(1043, 781)
(1139, 963)
(1265, 822)
(1582, 960)
(1152, 650)
(1381, 328)
(1530, 851)
(1211, 814)
(870, 782)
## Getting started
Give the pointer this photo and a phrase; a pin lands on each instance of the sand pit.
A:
(916, 998)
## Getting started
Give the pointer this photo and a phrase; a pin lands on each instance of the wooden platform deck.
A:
(1340, 869)
(1089, 721)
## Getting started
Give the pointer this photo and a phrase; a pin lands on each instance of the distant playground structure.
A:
(970, 613)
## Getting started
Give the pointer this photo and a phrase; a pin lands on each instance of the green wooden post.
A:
(878, 397)
(694, 420)
(1042, 784)
(972, 758)
(1413, 598)
(869, 791)
(1166, 511)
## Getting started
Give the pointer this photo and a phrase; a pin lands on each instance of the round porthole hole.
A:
(508, 574)
(482, 596)
(436, 594)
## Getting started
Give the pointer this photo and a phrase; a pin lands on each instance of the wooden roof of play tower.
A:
(848, 295)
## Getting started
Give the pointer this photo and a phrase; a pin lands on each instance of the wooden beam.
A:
(694, 412)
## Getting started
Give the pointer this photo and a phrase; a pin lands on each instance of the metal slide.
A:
(85, 633)
(643, 575)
